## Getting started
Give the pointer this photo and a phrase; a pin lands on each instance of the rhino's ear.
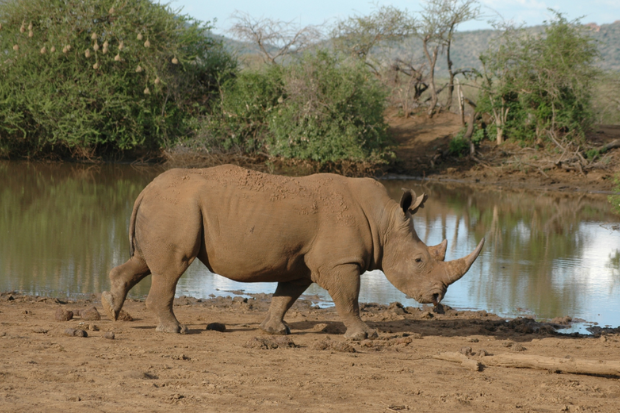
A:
(410, 202)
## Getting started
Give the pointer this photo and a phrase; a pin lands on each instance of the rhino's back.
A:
(256, 225)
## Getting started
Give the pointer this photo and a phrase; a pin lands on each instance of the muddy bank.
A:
(126, 365)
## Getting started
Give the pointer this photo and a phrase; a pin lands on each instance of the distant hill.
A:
(469, 45)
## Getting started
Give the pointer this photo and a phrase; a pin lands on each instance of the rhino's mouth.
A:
(435, 299)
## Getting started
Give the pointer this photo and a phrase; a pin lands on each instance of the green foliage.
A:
(318, 108)
(331, 111)
(535, 84)
(615, 199)
(459, 146)
(95, 75)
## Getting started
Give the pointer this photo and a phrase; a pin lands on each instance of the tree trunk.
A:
(451, 83)
(431, 62)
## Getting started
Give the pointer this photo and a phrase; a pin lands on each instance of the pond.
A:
(64, 226)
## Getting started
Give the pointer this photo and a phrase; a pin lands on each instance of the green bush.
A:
(537, 85)
(331, 111)
(615, 199)
(459, 146)
(318, 108)
(84, 78)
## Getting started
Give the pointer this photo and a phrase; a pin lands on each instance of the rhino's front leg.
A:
(284, 297)
(343, 285)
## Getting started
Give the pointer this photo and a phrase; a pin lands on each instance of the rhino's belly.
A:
(247, 259)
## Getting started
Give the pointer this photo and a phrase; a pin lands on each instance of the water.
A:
(63, 227)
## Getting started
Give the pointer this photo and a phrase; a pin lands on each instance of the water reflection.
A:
(63, 227)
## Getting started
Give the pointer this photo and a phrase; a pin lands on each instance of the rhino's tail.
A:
(132, 224)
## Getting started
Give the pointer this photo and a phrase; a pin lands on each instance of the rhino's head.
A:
(414, 268)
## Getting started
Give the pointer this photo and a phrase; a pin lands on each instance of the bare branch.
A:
(274, 38)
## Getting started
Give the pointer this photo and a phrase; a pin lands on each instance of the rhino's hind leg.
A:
(122, 279)
(343, 285)
(284, 297)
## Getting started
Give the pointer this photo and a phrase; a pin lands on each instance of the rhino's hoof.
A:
(360, 335)
(281, 330)
(107, 302)
(175, 329)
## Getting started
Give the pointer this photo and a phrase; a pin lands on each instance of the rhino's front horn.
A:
(438, 252)
(456, 269)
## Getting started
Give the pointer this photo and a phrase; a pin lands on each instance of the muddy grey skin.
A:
(254, 227)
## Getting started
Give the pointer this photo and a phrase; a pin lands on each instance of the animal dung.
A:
(124, 316)
(63, 315)
(216, 327)
(109, 335)
(75, 332)
(90, 314)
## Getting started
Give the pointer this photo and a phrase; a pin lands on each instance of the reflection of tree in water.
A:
(531, 240)
(614, 266)
(63, 226)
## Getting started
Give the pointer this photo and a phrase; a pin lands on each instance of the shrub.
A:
(615, 199)
(537, 85)
(83, 78)
(332, 110)
(319, 108)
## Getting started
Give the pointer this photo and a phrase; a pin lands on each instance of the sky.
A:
(530, 12)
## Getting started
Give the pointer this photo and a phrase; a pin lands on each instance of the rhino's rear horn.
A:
(455, 269)
(438, 252)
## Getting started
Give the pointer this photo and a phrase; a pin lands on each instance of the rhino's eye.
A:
(418, 260)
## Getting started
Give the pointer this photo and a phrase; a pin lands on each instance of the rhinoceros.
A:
(255, 227)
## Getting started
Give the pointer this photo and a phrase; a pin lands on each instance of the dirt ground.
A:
(422, 150)
(312, 370)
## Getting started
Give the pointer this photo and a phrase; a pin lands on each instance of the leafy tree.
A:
(539, 85)
(86, 77)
